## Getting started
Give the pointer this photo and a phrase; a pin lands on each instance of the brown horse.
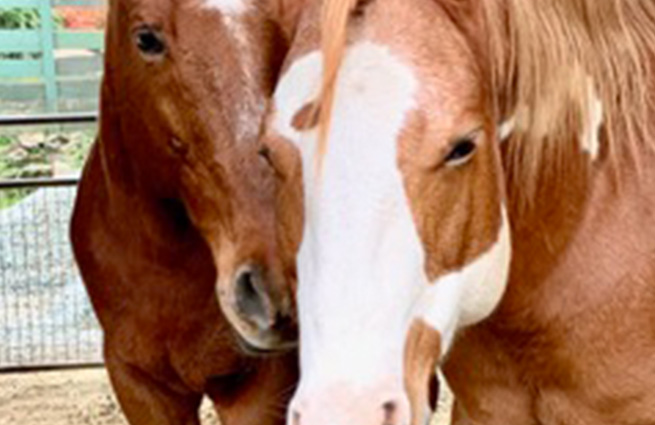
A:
(174, 227)
(477, 192)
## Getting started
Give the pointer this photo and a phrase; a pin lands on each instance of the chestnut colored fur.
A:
(573, 340)
(420, 367)
(536, 58)
(172, 196)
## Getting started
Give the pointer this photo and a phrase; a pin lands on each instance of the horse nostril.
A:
(296, 418)
(249, 298)
(261, 309)
(389, 408)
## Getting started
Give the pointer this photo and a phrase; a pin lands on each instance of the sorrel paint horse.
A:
(476, 192)
(175, 207)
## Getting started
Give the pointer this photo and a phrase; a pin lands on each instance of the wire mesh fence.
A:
(45, 316)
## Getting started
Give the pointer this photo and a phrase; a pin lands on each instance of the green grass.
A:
(40, 154)
(12, 196)
(5, 141)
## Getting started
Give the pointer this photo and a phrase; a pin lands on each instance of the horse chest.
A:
(574, 338)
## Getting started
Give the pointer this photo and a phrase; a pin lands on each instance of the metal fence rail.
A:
(46, 320)
(38, 119)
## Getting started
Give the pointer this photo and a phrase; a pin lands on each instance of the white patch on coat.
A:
(299, 85)
(228, 7)
(356, 221)
(469, 295)
(361, 265)
(250, 105)
(590, 137)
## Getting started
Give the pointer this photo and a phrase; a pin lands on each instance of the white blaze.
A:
(228, 7)
(251, 105)
(357, 219)
(361, 267)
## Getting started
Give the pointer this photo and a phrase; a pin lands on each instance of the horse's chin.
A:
(257, 342)
(258, 349)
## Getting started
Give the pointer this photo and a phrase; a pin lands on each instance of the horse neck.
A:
(114, 199)
(555, 240)
(123, 213)
(542, 230)
(125, 247)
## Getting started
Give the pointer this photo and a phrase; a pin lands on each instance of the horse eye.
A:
(461, 152)
(269, 157)
(264, 152)
(150, 42)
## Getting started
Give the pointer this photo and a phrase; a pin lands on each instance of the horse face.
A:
(405, 238)
(189, 80)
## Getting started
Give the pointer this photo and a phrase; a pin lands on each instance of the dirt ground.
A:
(81, 397)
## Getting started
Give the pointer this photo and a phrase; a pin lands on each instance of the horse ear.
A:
(286, 13)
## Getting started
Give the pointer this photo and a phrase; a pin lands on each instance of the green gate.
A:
(46, 68)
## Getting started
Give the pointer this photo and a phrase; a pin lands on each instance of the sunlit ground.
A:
(83, 397)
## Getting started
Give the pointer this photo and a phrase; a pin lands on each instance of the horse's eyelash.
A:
(360, 8)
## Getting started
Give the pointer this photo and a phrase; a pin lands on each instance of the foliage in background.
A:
(36, 153)
(41, 154)
(20, 18)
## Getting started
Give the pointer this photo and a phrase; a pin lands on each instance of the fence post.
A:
(48, 51)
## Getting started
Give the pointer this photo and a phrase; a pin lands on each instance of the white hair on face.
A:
(228, 7)
(361, 264)
(250, 106)
(376, 91)
(469, 295)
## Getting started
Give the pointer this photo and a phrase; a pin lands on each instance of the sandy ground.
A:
(80, 397)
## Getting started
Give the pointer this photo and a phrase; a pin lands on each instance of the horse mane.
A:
(545, 59)
(334, 36)
(561, 52)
